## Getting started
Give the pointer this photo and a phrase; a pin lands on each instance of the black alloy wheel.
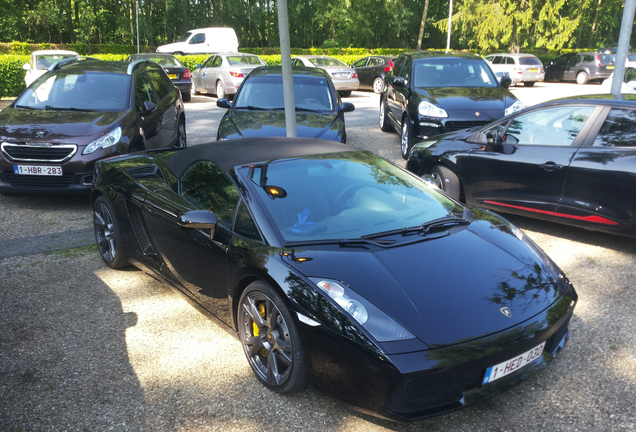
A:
(270, 339)
(108, 234)
(181, 135)
(406, 140)
(385, 126)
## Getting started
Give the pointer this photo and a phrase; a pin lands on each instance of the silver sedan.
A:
(222, 74)
(344, 78)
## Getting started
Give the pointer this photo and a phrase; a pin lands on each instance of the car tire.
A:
(220, 90)
(406, 140)
(446, 180)
(182, 138)
(108, 234)
(385, 126)
(346, 93)
(581, 77)
(270, 339)
(378, 85)
(186, 96)
(528, 83)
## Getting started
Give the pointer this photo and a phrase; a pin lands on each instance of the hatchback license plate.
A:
(40, 170)
(493, 373)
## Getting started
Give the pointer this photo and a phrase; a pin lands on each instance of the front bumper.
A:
(419, 384)
(71, 184)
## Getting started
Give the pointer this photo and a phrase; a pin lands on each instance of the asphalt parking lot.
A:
(87, 348)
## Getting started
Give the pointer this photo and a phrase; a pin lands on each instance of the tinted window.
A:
(198, 38)
(630, 75)
(551, 127)
(529, 61)
(160, 82)
(144, 92)
(453, 72)
(588, 58)
(618, 130)
(360, 63)
(266, 92)
(326, 61)
(510, 61)
(244, 224)
(375, 61)
(498, 60)
(245, 61)
(207, 187)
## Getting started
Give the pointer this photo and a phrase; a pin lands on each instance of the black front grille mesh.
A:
(40, 182)
(34, 153)
(450, 126)
(426, 392)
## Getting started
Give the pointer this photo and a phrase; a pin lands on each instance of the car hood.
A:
(447, 290)
(486, 100)
(175, 46)
(272, 123)
(77, 127)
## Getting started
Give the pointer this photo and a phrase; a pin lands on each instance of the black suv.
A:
(580, 67)
(429, 93)
(81, 111)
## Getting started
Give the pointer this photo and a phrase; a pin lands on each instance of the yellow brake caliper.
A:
(256, 331)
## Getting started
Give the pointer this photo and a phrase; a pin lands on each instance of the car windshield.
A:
(529, 61)
(326, 61)
(44, 61)
(344, 196)
(266, 93)
(607, 58)
(245, 61)
(80, 91)
(185, 37)
(452, 72)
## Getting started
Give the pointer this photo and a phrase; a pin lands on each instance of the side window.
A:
(489, 59)
(618, 130)
(549, 127)
(510, 60)
(406, 70)
(497, 60)
(399, 65)
(588, 58)
(630, 75)
(207, 63)
(144, 92)
(360, 63)
(218, 60)
(244, 225)
(207, 187)
(198, 38)
(160, 82)
(375, 61)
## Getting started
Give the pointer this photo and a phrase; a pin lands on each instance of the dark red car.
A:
(82, 111)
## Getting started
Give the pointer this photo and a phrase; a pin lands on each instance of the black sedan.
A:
(334, 267)
(571, 161)
(372, 70)
(259, 109)
(177, 71)
(429, 93)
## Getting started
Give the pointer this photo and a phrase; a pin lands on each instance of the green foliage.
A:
(12, 74)
(19, 48)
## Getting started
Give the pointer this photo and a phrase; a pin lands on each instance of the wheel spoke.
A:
(253, 345)
(273, 376)
(251, 309)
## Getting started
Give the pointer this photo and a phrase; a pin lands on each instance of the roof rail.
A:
(58, 65)
(135, 64)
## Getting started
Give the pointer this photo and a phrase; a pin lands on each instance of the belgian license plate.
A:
(172, 76)
(341, 75)
(41, 170)
(493, 373)
(610, 67)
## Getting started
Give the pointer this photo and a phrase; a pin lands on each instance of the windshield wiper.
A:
(52, 108)
(309, 110)
(27, 107)
(424, 229)
(252, 108)
(341, 242)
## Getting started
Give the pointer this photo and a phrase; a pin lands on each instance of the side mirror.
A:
(149, 106)
(224, 103)
(199, 219)
(492, 139)
(346, 107)
(506, 81)
(399, 82)
(197, 66)
(26, 67)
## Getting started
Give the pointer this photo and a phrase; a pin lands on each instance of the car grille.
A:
(450, 126)
(40, 182)
(38, 152)
(427, 392)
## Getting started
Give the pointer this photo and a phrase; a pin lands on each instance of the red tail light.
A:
(186, 74)
(389, 67)
(355, 75)
(598, 59)
(236, 74)
(518, 70)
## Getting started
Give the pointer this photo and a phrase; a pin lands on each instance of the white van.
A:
(203, 41)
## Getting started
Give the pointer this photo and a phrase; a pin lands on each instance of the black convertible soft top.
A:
(231, 153)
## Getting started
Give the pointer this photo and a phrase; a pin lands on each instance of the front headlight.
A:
(517, 106)
(429, 110)
(108, 140)
(381, 326)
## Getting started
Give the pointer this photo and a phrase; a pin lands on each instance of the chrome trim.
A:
(44, 146)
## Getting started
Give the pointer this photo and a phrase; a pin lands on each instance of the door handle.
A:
(551, 166)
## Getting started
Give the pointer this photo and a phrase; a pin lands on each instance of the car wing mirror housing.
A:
(149, 106)
(26, 67)
(399, 82)
(199, 219)
(224, 103)
(346, 107)
(506, 81)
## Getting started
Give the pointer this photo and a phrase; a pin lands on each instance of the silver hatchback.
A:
(521, 68)
(344, 78)
(222, 74)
